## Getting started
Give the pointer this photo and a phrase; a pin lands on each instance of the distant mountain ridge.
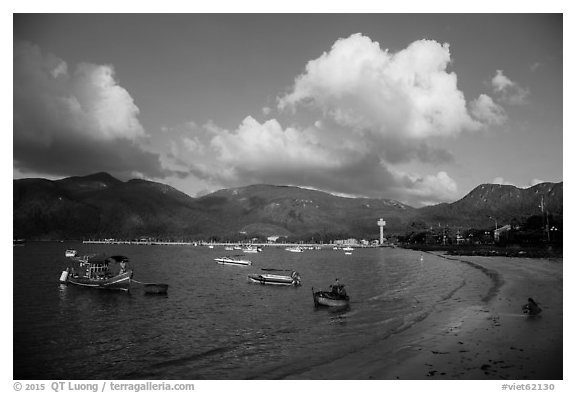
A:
(101, 206)
(489, 202)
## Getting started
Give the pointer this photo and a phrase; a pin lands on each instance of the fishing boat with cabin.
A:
(99, 271)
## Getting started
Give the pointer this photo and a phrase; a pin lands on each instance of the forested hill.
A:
(101, 206)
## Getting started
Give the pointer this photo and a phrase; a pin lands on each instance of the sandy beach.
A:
(465, 338)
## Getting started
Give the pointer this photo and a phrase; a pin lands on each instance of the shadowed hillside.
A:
(503, 203)
(100, 206)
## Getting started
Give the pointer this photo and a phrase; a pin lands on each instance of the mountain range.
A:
(101, 206)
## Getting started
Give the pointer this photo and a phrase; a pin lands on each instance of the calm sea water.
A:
(214, 323)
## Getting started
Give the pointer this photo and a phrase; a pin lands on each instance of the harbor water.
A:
(214, 323)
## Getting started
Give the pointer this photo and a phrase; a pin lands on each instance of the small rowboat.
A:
(330, 299)
(276, 279)
(156, 289)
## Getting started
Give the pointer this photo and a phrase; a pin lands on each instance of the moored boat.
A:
(251, 250)
(155, 289)
(294, 249)
(233, 260)
(276, 279)
(70, 253)
(100, 272)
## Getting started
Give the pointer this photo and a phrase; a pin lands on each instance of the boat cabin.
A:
(98, 267)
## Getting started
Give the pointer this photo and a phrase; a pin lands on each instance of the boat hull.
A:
(237, 262)
(268, 279)
(120, 282)
(329, 299)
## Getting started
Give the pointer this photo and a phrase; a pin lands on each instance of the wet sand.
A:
(485, 339)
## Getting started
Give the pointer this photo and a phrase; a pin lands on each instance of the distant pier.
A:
(204, 244)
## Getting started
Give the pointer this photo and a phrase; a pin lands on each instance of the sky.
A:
(420, 108)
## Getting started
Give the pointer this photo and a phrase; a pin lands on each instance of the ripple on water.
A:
(214, 323)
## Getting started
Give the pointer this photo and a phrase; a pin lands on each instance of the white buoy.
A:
(64, 276)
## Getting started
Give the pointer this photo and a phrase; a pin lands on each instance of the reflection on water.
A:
(214, 323)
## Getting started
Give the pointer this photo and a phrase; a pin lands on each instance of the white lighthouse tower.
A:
(381, 224)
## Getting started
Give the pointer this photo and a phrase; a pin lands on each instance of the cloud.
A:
(500, 82)
(74, 121)
(355, 116)
(487, 111)
(266, 152)
(500, 180)
(408, 94)
(255, 145)
(508, 92)
(429, 189)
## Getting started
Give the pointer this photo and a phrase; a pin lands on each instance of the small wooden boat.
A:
(233, 260)
(276, 279)
(531, 308)
(96, 272)
(155, 289)
(336, 297)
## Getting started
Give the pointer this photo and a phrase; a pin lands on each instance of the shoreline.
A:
(488, 339)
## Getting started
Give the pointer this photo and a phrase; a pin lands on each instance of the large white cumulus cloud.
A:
(78, 119)
(408, 94)
(256, 145)
(355, 120)
(266, 152)
(368, 111)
